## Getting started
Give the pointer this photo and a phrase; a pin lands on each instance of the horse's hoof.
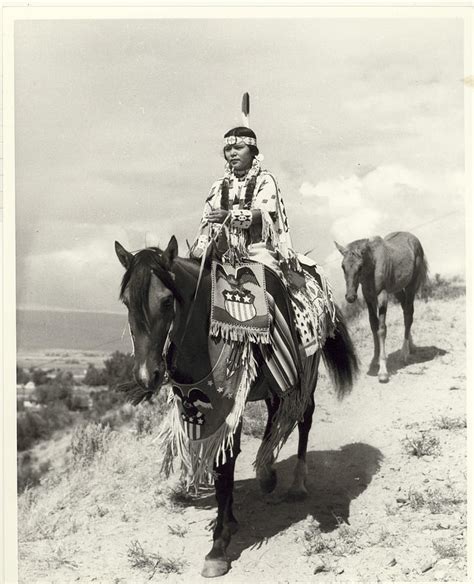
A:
(296, 495)
(373, 370)
(215, 568)
(268, 481)
(383, 378)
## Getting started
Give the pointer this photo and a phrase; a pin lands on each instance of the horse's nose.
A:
(148, 377)
(351, 298)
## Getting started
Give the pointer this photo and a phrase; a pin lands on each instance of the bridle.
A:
(158, 271)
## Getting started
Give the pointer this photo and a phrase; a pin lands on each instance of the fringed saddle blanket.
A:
(205, 415)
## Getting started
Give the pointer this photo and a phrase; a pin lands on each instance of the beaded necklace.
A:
(249, 186)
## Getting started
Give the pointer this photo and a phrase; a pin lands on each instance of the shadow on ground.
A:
(335, 478)
(395, 360)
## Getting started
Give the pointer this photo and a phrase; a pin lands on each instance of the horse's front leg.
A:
(382, 301)
(374, 326)
(216, 562)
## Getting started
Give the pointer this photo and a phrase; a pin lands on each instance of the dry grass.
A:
(107, 472)
(422, 444)
(178, 530)
(437, 501)
(148, 416)
(152, 562)
(448, 548)
(61, 556)
(89, 441)
(449, 423)
(343, 542)
(391, 509)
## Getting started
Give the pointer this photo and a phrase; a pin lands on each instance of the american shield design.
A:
(240, 304)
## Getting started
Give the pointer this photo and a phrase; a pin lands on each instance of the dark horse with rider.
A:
(243, 318)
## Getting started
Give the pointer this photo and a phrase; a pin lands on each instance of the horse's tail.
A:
(422, 268)
(340, 357)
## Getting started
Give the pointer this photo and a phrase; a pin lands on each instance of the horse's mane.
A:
(356, 247)
(136, 280)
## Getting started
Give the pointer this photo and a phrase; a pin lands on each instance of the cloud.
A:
(85, 274)
(118, 127)
(393, 197)
(336, 196)
(357, 225)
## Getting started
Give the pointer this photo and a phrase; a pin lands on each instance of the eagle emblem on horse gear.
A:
(238, 301)
(189, 404)
(239, 306)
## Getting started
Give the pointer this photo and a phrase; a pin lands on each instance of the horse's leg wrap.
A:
(216, 562)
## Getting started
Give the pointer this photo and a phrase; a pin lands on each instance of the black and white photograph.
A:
(237, 258)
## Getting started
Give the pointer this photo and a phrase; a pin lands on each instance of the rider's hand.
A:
(217, 216)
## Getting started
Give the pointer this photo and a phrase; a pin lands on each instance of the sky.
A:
(119, 125)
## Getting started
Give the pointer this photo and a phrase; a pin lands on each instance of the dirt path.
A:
(375, 512)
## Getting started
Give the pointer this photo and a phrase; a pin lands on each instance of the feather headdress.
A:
(246, 110)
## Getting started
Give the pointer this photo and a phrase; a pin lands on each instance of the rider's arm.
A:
(202, 238)
(265, 201)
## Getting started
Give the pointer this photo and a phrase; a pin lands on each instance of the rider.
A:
(245, 215)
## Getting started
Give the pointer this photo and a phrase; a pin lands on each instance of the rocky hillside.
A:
(387, 486)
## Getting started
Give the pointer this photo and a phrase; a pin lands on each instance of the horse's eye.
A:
(167, 302)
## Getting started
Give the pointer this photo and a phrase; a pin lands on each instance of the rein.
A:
(201, 271)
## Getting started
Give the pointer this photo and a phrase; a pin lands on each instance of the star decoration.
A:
(228, 295)
(220, 389)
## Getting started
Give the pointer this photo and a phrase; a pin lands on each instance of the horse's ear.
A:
(171, 251)
(124, 256)
(341, 248)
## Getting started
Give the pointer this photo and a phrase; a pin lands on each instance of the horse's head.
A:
(352, 265)
(148, 291)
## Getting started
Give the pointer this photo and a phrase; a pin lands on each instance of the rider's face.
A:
(238, 156)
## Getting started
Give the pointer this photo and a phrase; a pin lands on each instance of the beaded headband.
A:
(231, 140)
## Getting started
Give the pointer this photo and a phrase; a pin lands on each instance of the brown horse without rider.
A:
(395, 264)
